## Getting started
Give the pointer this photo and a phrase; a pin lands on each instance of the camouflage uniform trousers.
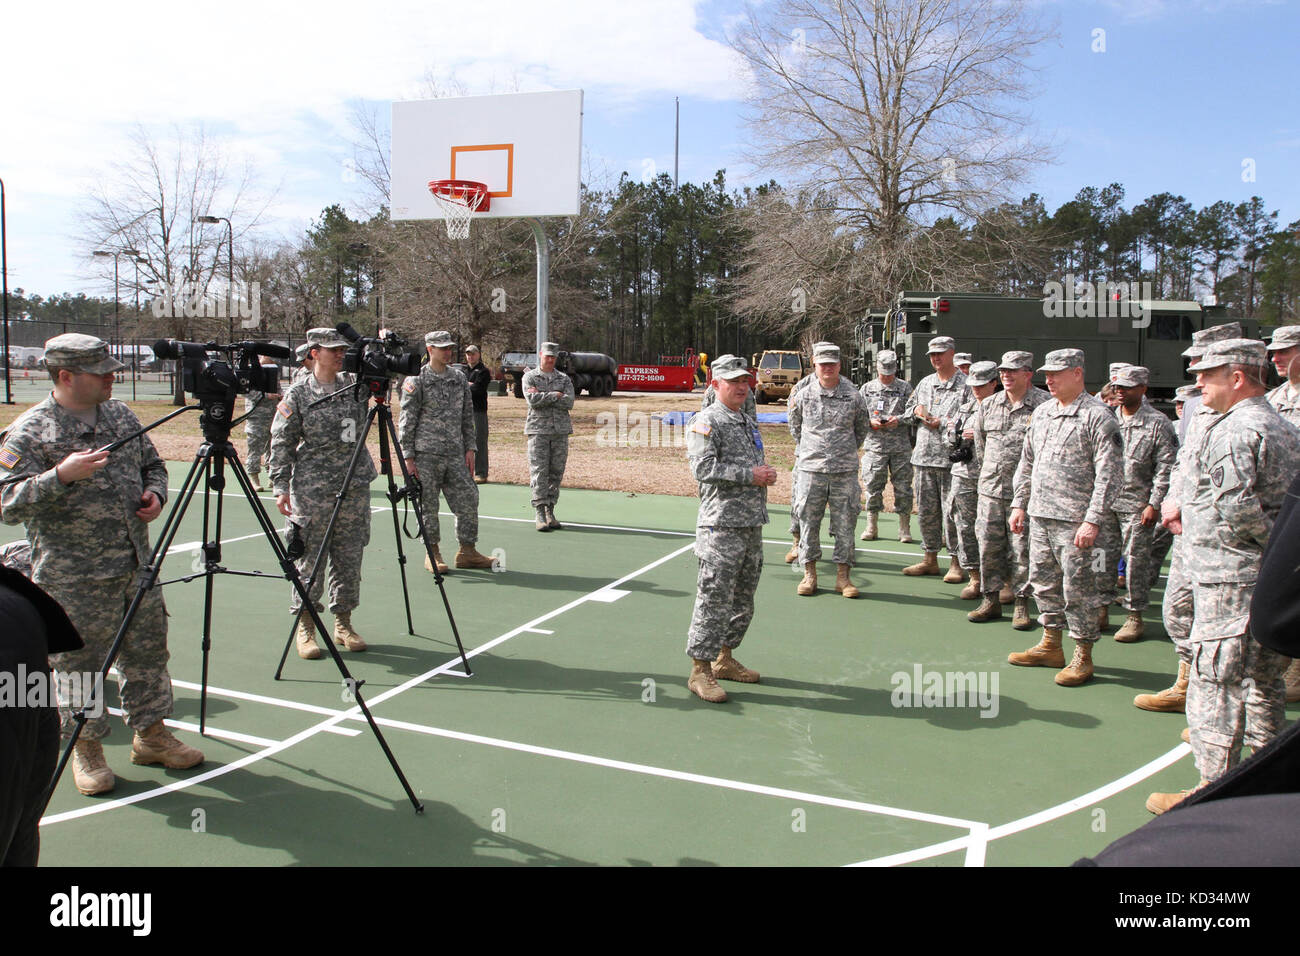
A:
(257, 430)
(731, 561)
(840, 492)
(97, 608)
(795, 501)
(962, 504)
(937, 526)
(1003, 555)
(1177, 608)
(1107, 550)
(346, 548)
(1161, 541)
(448, 476)
(547, 456)
(1235, 691)
(1136, 550)
(898, 466)
(1063, 578)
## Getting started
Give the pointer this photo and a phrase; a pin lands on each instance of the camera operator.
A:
(311, 447)
(436, 431)
(85, 511)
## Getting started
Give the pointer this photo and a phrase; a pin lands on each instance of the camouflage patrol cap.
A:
(1183, 392)
(729, 367)
(325, 339)
(1012, 361)
(981, 373)
(1061, 359)
(548, 348)
(887, 359)
(941, 343)
(439, 340)
(962, 358)
(825, 353)
(1131, 376)
(1285, 337)
(72, 350)
(1231, 352)
(1115, 368)
(471, 348)
(302, 351)
(1215, 333)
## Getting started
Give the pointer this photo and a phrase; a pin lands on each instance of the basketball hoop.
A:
(459, 200)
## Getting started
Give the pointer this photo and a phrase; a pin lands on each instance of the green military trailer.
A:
(1146, 332)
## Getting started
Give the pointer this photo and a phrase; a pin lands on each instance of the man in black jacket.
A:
(479, 379)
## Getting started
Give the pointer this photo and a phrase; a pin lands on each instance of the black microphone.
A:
(269, 349)
(347, 331)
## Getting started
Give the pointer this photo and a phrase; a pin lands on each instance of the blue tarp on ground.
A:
(681, 418)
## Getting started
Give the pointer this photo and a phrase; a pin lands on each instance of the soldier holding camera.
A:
(437, 434)
(965, 455)
(311, 447)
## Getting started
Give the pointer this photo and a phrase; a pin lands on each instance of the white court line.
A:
(178, 785)
(539, 630)
(212, 731)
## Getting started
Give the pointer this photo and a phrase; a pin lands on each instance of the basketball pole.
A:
(543, 282)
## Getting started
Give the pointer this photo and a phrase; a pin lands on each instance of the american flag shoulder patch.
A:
(284, 409)
(9, 458)
(409, 384)
(701, 428)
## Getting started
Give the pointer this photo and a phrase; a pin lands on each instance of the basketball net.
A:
(458, 200)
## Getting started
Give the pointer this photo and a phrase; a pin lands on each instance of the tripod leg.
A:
(386, 466)
(211, 551)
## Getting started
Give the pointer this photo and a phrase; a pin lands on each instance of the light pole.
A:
(230, 275)
(4, 270)
(117, 322)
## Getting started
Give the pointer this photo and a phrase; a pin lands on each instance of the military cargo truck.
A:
(592, 372)
(776, 373)
(1146, 332)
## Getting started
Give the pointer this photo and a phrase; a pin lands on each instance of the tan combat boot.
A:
(1020, 618)
(1132, 629)
(308, 649)
(344, 636)
(972, 591)
(1292, 678)
(727, 667)
(540, 523)
(1186, 735)
(1079, 670)
(1103, 619)
(905, 528)
(157, 745)
(551, 521)
(468, 557)
(1046, 653)
(792, 555)
(437, 559)
(873, 529)
(704, 685)
(90, 770)
(989, 610)
(927, 565)
(1158, 803)
(1171, 700)
(809, 583)
(843, 583)
(255, 480)
(956, 573)
(1006, 595)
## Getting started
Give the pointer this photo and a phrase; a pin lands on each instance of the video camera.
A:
(215, 374)
(375, 360)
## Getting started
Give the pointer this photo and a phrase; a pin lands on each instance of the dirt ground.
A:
(618, 443)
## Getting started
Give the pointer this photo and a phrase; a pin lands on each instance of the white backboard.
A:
(527, 148)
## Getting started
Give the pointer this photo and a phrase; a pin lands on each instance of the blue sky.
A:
(1183, 94)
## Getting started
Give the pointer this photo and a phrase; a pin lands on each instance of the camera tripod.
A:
(209, 467)
(381, 412)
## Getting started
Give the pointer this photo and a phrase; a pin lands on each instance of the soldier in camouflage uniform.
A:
(887, 452)
(828, 420)
(726, 458)
(548, 427)
(931, 407)
(1069, 474)
(86, 512)
(311, 447)
(1282, 350)
(1248, 457)
(1150, 447)
(711, 396)
(260, 409)
(999, 429)
(1176, 609)
(437, 433)
(793, 554)
(963, 492)
(306, 363)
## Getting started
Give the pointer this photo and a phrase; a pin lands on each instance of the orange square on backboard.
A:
(492, 163)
